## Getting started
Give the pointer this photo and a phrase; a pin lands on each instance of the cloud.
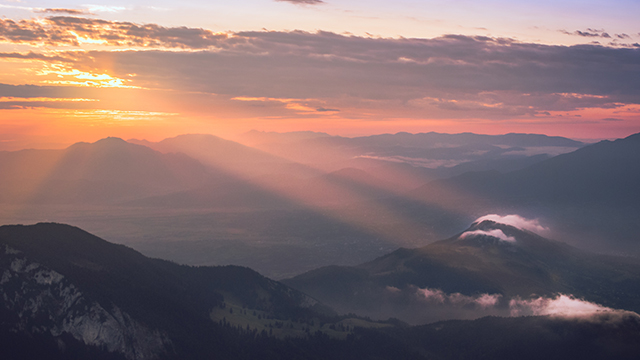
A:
(416, 162)
(303, 2)
(107, 9)
(482, 301)
(34, 56)
(562, 305)
(68, 30)
(515, 221)
(64, 11)
(449, 76)
(487, 300)
(588, 33)
(612, 119)
(393, 289)
(34, 91)
(515, 79)
(495, 233)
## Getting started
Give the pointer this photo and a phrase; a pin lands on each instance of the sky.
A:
(76, 71)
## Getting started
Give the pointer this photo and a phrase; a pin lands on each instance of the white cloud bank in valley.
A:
(438, 296)
(562, 305)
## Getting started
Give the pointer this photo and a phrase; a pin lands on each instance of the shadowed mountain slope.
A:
(70, 295)
(70, 284)
(603, 173)
(474, 263)
(590, 197)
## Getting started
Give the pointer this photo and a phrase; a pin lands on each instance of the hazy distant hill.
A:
(471, 264)
(227, 156)
(606, 172)
(428, 155)
(255, 137)
(433, 140)
(419, 140)
(590, 197)
(288, 222)
(107, 171)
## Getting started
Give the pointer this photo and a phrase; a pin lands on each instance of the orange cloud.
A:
(75, 31)
(343, 84)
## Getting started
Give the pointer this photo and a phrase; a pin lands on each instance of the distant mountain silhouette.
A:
(590, 196)
(255, 137)
(433, 155)
(228, 156)
(431, 139)
(105, 172)
(604, 173)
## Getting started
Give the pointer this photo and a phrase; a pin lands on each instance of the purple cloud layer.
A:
(450, 74)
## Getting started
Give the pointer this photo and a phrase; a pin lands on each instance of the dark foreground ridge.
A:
(67, 294)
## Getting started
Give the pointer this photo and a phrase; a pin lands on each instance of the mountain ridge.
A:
(48, 311)
(488, 259)
(61, 279)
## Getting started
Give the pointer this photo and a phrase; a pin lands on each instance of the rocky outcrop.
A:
(43, 300)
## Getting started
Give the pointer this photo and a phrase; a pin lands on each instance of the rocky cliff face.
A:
(44, 301)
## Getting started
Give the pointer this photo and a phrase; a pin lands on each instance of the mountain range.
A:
(62, 283)
(105, 172)
(475, 273)
(589, 197)
(203, 200)
(432, 155)
(69, 295)
(602, 173)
